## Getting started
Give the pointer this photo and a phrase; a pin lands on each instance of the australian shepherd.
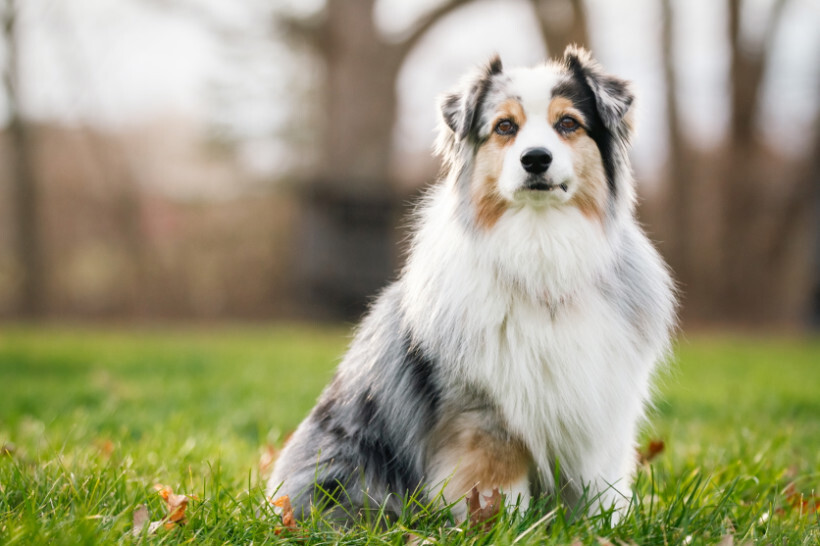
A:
(516, 349)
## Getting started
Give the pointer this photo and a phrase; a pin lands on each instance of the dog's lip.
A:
(543, 186)
(540, 186)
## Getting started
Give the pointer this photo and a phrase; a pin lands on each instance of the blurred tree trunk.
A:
(739, 226)
(753, 288)
(31, 303)
(359, 98)
(813, 182)
(351, 205)
(115, 163)
(678, 176)
(562, 22)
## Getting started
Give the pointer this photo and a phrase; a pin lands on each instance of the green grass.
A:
(92, 419)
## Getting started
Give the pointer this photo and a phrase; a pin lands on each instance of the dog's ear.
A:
(459, 109)
(451, 110)
(613, 96)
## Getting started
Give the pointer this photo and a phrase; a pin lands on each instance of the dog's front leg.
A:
(611, 487)
(610, 494)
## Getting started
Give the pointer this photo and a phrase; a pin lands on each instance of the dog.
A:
(517, 348)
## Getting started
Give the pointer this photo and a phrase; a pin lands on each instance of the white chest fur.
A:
(569, 382)
(518, 311)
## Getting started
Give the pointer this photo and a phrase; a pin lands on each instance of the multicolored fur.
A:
(523, 332)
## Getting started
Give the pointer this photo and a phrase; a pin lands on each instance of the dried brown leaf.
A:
(106, 447)
(799, 502)
(726, 540)
(288, 520)
(141, 518)
(176, 505)
(483, 517)
(142, 521)
(655, 448)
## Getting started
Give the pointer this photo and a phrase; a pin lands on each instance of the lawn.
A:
(91, 420)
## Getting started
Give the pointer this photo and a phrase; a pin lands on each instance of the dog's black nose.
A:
(536, 160)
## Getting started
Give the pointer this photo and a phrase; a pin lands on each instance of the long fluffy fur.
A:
(523, 332)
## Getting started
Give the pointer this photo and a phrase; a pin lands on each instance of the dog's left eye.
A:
(568, 124)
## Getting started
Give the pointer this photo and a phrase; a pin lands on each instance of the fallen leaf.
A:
(142, 521)
(727, 540)
(176, 505)
(106, 447)
(797, 501)
(286, 513)
(654, 449)
(141, 517)
(483, 517)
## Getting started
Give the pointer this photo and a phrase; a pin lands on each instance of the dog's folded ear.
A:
(460, 108)
(613, 96)
(451, 110)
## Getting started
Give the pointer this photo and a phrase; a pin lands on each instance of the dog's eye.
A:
(506, 127)
(568, 124)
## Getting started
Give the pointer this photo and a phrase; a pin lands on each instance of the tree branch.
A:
(427, 23)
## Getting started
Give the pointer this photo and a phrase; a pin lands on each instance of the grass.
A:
(90, 420)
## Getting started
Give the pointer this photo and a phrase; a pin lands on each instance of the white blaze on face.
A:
(533, 88)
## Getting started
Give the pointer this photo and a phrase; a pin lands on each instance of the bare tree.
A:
(690, 263)
(762, 228)
(351, 205)
(31, 303)
(758, 243)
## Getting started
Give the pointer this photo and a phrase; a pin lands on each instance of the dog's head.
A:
(554, 135)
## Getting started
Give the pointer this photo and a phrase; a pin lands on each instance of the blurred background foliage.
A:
(197, 159)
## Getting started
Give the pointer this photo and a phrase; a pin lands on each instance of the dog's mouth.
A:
(543, 185)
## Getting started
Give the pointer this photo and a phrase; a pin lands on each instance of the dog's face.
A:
(553, 135)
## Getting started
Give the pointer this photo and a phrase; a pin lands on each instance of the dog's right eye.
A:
(506, 127)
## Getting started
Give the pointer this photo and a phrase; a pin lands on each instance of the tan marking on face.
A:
(489, 204)
(590, 195)
(470, 453)
(559, 107)
(511, 109)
